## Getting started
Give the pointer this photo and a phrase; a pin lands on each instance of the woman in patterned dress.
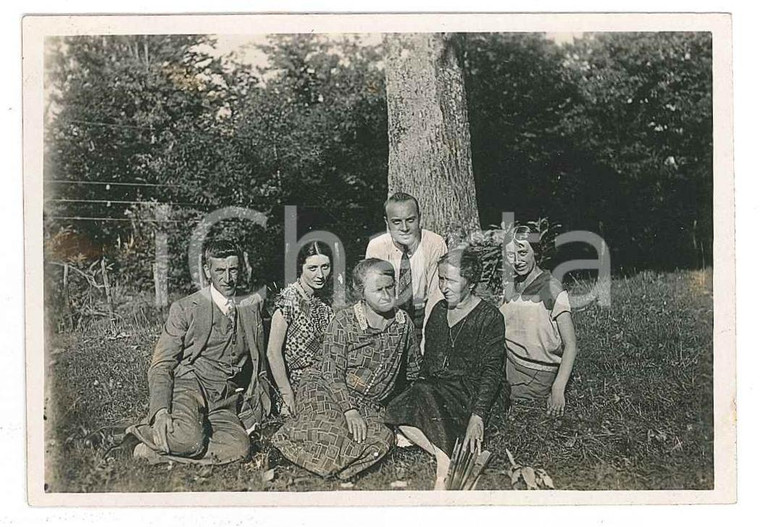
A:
(338, 429)
(462, 369)
(298, 324)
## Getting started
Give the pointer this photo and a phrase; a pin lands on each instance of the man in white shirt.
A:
(414, 253)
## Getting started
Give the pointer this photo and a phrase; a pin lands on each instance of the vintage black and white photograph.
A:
(428, 262)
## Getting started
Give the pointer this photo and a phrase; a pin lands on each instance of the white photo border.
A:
(37, 28)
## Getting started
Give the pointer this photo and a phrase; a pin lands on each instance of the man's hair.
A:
(400, 197)
(221, 248)
(468, 263)
(362, 270)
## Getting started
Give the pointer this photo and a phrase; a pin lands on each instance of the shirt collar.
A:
(410, 252)
(361, 316)
(221, 301)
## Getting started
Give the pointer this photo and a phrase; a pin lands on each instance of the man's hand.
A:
(356, 425)
(473, 437)
(555, 404)
(162, 425)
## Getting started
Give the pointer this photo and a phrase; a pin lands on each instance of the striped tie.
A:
(404, 289)
(231, 312)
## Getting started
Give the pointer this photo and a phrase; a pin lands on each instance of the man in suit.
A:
(208, 382)
(414, 253)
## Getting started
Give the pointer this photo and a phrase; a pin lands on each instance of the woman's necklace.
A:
(453, 340)
(462, 322)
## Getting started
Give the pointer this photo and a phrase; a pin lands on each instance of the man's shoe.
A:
(105, 437)
(142, 451)
(123, 448)
(143, 433)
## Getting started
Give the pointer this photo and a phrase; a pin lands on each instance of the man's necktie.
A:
(404, 287)
(231, 311)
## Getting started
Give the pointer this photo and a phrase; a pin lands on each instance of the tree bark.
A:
(429, 131)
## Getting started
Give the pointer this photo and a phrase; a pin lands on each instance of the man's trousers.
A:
(202, 432)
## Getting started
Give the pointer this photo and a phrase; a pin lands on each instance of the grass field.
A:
(639, 407)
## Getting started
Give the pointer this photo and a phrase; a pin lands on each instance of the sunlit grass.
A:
(639, 407)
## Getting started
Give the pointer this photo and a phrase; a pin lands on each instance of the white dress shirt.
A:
(423, 262)
(221, 301)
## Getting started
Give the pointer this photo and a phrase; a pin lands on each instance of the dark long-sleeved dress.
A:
(358, 370)
(462, 371)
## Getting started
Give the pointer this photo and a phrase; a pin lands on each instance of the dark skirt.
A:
(439, 407)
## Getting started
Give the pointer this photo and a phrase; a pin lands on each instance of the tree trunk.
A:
(429, 131)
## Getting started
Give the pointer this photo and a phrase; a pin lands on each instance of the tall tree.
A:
(428, 129)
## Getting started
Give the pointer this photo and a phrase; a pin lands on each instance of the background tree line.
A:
(612, 133)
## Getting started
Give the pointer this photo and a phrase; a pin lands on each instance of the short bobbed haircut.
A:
(531, 236)
(363, 269)
(466, 261)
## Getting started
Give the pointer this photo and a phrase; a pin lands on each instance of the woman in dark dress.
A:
(461, 371)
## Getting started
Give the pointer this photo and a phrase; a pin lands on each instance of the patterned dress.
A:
(461, 375)
(359, 369)
(307, 318)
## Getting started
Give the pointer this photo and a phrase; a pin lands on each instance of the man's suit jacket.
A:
(183, 340)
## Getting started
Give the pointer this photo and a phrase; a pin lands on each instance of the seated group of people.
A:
(352, 383)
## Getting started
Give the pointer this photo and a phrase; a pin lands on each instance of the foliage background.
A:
(611, 133)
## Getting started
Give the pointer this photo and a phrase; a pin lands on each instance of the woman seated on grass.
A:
(539, 329)
(461, 371)
(338, 427)
(299, 322)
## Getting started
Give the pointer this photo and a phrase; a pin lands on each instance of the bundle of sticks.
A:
(466, 467)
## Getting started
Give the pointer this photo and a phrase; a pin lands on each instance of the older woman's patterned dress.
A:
(358, 370)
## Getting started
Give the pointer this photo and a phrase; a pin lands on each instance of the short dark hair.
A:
(531, 235)
(468, 263)
(314, 248)
(221, 248)
(400, 197)
(363, 268)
